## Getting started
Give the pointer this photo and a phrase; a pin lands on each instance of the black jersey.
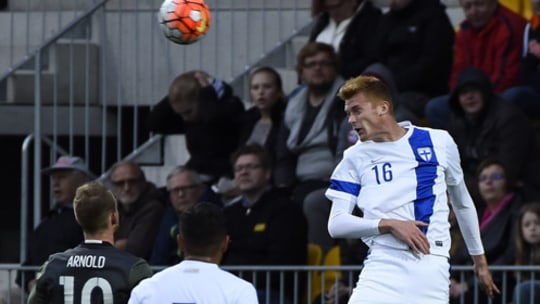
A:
(91, 273)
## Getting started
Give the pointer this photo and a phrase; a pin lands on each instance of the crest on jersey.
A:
(425, 153)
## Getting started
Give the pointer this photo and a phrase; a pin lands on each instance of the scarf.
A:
(294, 116)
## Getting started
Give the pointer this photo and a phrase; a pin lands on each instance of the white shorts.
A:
(392, 276)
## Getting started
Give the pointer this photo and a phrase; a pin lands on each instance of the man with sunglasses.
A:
(140, 207)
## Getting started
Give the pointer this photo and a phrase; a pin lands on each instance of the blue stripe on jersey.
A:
(343, 186)
(426, 172)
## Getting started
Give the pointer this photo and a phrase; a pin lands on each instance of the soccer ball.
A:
(184, 21)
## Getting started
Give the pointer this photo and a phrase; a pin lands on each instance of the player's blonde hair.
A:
(374, 88)
(93, 204)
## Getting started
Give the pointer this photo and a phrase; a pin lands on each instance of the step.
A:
(67, 78)
(19, 120)
(175, 153)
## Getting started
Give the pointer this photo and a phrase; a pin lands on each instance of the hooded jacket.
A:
(356, 51)
(499, 131)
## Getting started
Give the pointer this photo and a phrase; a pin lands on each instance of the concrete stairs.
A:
(70, 75)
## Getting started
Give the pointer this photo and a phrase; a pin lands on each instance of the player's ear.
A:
(115, 220)
(383, 108)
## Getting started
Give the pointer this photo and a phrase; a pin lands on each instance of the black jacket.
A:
(415, 43)
(271, 232)
(213, 137)
(252, 116)
(530, 64)
(356, 49)
(501, 131)
(56, 232)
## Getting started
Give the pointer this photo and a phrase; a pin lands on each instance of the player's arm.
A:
(39, 293)
(467, 218)
(139, 271)
(343, 224)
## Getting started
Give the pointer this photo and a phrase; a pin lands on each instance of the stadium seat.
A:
(332, 258)
(315, 259)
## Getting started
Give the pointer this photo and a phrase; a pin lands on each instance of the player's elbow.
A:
(332, 228)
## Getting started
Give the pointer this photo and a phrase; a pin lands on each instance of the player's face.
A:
(478, 12)
(128, 184)
(492, 183)
(249, 174)
(530, 228)
(364, 116)
(264, 91)
(536, 6)
(319, 70)
(65, 184)
(471, 100)
(183, 192)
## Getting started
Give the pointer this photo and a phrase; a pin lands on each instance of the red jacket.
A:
(496, 48)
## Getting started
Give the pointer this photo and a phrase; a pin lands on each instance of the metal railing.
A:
(303, 284)
(91, 69)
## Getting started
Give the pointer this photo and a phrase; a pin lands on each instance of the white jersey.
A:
(194, 282)
(406, 180)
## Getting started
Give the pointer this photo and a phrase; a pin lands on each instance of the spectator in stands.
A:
(498, 211)
(140, 208)
(110, 273)
(483, 126)
(265, 227)
(307, 142)
(347, 25)
(527, 253)
(207, 112)
(414, 41)
(58, 230)
(527, 96)
(185, 189)
(530, 64)
(490, 39)
(197, 279)
(262, 122)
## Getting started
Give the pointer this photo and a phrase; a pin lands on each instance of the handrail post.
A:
(37, 134)
(24, 196)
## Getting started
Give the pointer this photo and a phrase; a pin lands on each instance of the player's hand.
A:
(407, 231)
(457, 288)
(484, 278)
(340, 288)
(203, 78)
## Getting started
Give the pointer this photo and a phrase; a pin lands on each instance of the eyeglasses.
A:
(322, 64)
(129, 181)
(247, 167)
(492, 177)
(182, 189)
